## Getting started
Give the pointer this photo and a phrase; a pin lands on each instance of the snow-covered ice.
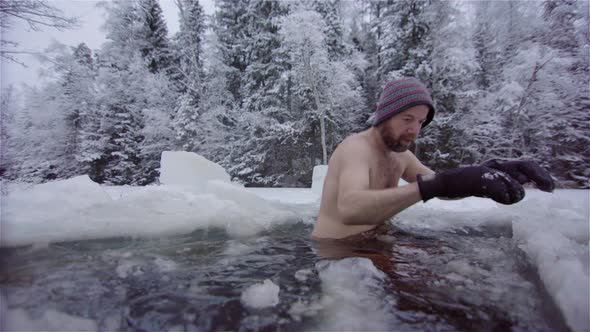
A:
(78, 208)
(189, 169)
(552, 229)
(318, 176)
(261, 295)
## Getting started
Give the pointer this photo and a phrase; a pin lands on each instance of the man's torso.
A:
(385, 170)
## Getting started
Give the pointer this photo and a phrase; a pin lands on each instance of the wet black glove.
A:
(524, 171)
(480, 181)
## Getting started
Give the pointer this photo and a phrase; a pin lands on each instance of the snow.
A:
(189, 169)
(353, 288)
(317, 182)
(51, 320)
(261, 295)
(77, 208)
(552, 229)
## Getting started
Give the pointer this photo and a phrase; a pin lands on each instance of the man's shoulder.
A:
(358, 140)
(355, 145)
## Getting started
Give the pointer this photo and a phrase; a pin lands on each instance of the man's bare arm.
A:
(414, 167)
(370, 207)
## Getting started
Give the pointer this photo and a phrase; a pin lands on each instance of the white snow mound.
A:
(189, 169)
(261, 295)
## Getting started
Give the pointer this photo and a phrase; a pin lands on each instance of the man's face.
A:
(399, 131)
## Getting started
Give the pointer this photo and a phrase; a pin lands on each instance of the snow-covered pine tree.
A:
(117, 96)
(190, 77)
(50, 122)
(134, 93)
(10, 133)
(156, 131)
(77, 84)
(219, 133)
(233, 36)
(401, 28)
(362, 37)
(331, 13)
(487, 53)
(567, 78)
(153, 36)
(447, 65)
(42, 134)
(505, 54)
(121, 124)
(248, 40)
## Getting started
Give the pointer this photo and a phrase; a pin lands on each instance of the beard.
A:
(393, 143)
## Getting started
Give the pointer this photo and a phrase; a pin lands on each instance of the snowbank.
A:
(77, 208)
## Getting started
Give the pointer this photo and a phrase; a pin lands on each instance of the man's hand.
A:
(480, 181)
(524, 171)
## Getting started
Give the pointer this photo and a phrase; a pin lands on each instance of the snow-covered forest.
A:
(268, 89)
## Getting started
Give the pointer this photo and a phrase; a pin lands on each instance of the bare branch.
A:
(37, 14)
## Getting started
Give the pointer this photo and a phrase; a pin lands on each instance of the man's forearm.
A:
(369, 207)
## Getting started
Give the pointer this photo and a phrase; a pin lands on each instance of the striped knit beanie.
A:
(401, 94)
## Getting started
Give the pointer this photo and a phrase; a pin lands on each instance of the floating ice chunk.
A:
(19, 320)
(245, 213)
(165, 264)
(317, 182)
(189, 169)
(302, 275)
(353, 288)
(302, 309)
(288, 195)
(261, 295)
(465, 204)
(127, 268)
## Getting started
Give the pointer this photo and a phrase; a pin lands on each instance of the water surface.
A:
(410, 279)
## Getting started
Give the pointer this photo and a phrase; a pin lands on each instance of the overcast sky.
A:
(90, 32)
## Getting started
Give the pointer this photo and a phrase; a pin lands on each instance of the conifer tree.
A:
(330, 11)
(484, 41)
(153, 36)
(190, 80)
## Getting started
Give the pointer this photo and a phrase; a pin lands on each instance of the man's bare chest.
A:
(385, 173)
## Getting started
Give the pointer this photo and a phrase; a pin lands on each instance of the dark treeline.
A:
(269, 88)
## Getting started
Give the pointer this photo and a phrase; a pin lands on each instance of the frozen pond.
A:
(410, 279)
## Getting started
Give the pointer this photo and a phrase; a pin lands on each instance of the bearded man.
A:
(361, 186)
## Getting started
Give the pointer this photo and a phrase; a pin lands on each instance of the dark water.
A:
(469, 280)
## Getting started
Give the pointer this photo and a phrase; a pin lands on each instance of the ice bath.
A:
(79, 256)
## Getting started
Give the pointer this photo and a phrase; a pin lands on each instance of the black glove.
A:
(524, 171)
(480, 181)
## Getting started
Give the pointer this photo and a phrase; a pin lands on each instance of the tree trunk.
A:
(322, 125)
(320, 109)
